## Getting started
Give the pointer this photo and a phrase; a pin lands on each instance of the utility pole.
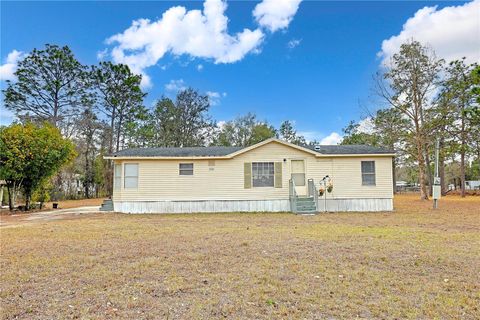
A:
(437, 189)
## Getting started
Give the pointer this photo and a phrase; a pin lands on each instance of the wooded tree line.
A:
(423, 99)
(101, 109)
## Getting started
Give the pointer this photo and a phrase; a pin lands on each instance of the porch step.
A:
(306, 205)
(107, 205)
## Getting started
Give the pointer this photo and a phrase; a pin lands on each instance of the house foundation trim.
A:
(276, 205)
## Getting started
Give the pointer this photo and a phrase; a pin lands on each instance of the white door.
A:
(298, 176)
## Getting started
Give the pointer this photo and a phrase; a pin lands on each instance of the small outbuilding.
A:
(270, 176)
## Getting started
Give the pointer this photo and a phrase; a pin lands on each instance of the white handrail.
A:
(293, 196)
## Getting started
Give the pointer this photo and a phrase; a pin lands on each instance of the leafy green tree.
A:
(353, 135)
(410, 80)
(51, 85)
(288, 133)
(164, 123)
(262, 131)
(474, 112)
(458, 94)
(118, 96)
(30, 155)
(244, 131)
(183, 123)
(119, 99)
(139, 129)
(42, 193)
(101, 169)
(89, 130)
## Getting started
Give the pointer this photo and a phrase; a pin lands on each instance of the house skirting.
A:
(202, 206)
(279, 205)
(355, 205)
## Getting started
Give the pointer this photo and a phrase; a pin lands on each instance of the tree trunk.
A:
(421, 161)
(463, 138)
(118, 134)
(10, 197)
(1, 195)
(86, 183)
(86, 190)
(423, 178)
(28, 195)
(112, 132)
(429, 171)
(441, 170)
(462, 173)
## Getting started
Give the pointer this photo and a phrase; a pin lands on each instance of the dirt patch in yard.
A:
(16, 220)
(64, 204)
(413, 263)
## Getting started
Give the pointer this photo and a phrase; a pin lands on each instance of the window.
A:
(117, 181)
(131, 175)
(263, 174)
(185, 169)
(368, 173)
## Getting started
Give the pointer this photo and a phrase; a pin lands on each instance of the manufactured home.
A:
(270, 176)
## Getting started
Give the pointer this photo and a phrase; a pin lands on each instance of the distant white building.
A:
(472, 185)
(401, 183)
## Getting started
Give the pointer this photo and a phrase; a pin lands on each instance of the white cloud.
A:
(175, 86)
(221, 124)
(201, 34)
(200, 67)
(275, 14)
(102, 54)
(197, 33)
(366, 126)
(332, 138)
(8, 69)
(215, 97)
(453, 32)
(6, 116)
(146, 81)
(309, 135)
(293, 43)
(213, 94)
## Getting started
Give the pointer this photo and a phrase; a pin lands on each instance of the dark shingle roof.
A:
(349, 149)
(224, 151)
(177, 152)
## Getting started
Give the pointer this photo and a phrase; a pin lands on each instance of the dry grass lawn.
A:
(414, 263)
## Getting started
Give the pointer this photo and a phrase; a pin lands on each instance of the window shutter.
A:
(247, 175)
(278, 174)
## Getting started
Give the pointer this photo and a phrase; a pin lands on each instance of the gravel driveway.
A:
(42, 216)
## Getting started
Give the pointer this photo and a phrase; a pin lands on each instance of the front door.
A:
(298, 177)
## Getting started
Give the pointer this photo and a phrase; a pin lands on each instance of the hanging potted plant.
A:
(330, 186)
(321, 190)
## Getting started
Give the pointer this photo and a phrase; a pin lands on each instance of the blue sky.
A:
(314, 67)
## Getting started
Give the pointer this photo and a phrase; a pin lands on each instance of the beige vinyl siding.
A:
(160, 180)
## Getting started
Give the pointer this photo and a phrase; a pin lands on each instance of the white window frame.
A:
(128, 178)
(117, 176)
(269, 173)
(186, 171)
(374, 174)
